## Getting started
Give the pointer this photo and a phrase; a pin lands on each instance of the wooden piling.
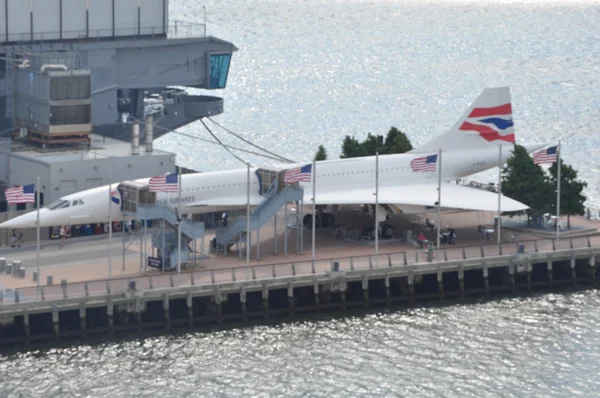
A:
(411, 288)
(190, 307)
(388, 298)
(316, 295)
(243, 303)
(56, 322)
(110, 315)
(26, 326)
(265, 299)
(365, 288)
(440, 281)
(290, 293)
(550, 274)
(486, 280)
(573, 271)
(82, 320)
(461, 281)
(166, 311)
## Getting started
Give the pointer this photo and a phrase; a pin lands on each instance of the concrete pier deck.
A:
(343, 274)
(86, 259)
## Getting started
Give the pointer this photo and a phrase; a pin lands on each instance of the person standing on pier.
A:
(63, 235)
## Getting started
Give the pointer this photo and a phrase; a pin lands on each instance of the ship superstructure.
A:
(75, 75)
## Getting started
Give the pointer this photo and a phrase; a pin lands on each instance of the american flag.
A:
(166, 183)
(299, 174)
(18, 195)
(424, 164)
(545, 155)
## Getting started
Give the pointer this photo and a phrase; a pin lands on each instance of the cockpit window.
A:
(80, 201)
(59, 204)
(75, 203)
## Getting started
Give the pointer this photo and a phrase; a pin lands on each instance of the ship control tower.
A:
(77, 75)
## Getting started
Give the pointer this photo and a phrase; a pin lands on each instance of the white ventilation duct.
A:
(149, 133)
(135, 139)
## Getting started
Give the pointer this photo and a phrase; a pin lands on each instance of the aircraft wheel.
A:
(369, 232)
(387, 231)
(308, 220)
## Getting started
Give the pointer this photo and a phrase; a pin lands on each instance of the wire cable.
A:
(250, 143)
(223, 145)
(208, 141)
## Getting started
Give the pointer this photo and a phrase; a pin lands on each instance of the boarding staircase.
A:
(139, 203)
(276, 195)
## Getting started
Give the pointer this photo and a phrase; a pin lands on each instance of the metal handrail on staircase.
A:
(260, 215)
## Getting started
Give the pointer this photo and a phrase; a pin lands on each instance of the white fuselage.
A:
(219, 190)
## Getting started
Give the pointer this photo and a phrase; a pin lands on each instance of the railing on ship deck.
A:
(298, 268)
(174, 30)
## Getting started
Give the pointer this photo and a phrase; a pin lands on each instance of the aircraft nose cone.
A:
(24, 221)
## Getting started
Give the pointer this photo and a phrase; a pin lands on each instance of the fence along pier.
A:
(207, 297)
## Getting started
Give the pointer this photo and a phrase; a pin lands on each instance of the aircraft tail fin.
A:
(488, 121)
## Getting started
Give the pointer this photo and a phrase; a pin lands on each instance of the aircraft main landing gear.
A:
(323, 220)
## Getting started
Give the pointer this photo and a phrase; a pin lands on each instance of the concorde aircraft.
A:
(407, 182)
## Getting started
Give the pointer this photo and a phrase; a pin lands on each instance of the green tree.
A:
(571, 199)
(373, 144)
(351, 148)
(526, 182)
(321, 153)
(397, 142)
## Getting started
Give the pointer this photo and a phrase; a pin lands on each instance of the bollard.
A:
(35, 276)
(16, 267)
(49, 280)
(22, 272)
(2, 264)
(8, 269)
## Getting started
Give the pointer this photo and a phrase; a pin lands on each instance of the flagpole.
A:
(248, 218)
(314, 206)
(499, 193)
(37, 227)
(376, 203)
(109, 224)
(180, 218)
(439, 213)
(558, 191)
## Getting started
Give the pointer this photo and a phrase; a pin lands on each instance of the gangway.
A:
(139, 203)
(276, 195)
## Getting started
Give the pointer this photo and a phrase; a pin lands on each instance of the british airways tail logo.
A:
(492, 124)
(114, 196)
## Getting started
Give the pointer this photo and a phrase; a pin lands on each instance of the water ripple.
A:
(541, 345)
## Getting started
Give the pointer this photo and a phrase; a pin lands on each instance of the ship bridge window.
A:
(218, 70)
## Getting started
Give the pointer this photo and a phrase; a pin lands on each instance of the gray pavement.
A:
(53, 254)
